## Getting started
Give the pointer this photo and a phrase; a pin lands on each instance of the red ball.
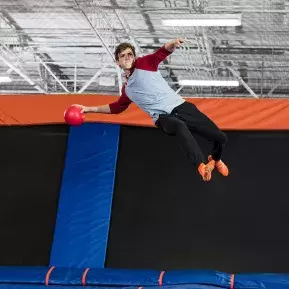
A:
(73, 116)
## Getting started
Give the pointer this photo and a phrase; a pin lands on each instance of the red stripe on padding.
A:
(161, 278)
(48, 275)
(83, 279)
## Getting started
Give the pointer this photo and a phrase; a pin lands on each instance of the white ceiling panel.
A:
(68, 36)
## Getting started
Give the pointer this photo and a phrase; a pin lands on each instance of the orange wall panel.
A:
(228, 113)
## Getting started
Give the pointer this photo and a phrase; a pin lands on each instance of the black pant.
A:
(183, 120)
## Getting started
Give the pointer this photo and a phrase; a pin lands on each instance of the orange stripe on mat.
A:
(83, 279)
(161, 278)
(48, 275)
(232, 280)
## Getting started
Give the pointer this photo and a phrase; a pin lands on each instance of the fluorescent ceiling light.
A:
(5, 79)
(206, 20)
(209, 82)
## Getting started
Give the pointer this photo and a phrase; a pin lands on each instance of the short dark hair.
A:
(121, 47)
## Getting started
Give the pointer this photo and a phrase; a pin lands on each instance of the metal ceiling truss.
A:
(256, 53)
(18, 68)
(104, 44)
(171, 75)
(24, 41)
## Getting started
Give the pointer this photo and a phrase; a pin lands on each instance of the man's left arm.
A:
(172, 45)
(152, 61)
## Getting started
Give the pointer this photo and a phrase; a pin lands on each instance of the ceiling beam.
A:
(96, 75)
(52, 74)
(22, 73)
(243, 82)
(106, 47)
(278, 84)
(94, 30)
(152, 30)
(25, 40)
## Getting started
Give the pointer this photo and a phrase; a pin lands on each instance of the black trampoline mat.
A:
(31, 165)
(165, 217)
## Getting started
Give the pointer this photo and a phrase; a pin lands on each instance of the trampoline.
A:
(114, 203)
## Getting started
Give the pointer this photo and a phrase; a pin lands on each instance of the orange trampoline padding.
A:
(228, 113)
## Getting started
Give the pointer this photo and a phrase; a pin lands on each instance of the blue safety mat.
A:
(83, 217)
(104, 278)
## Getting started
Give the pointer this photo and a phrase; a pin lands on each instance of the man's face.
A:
(126, 59)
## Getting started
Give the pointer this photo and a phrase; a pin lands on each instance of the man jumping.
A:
(171, 113)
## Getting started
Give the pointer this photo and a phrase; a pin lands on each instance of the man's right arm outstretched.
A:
(95, 109)
(112, 108)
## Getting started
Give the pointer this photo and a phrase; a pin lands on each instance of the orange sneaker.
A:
(221, 167)
(206, 170)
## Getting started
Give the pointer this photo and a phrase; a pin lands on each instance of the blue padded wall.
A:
(103, 278)
(84, 209)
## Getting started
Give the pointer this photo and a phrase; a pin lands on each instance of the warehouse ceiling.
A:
(67, 46)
